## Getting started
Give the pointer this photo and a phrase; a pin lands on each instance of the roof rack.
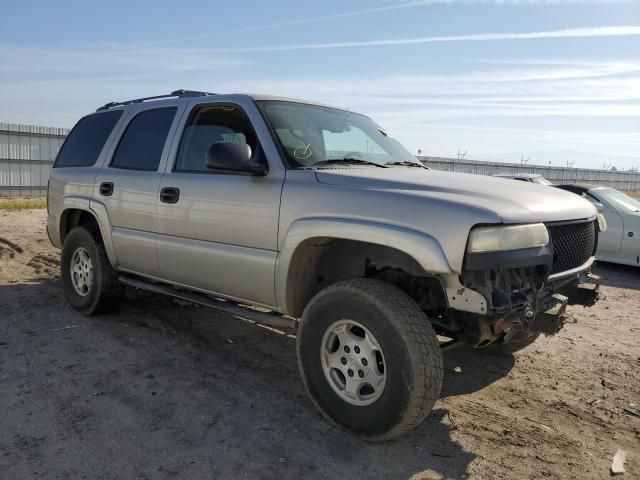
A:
(176, 93)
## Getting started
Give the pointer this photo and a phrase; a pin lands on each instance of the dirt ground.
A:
(163, 391)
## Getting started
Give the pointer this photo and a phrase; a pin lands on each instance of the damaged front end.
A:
(527, 291)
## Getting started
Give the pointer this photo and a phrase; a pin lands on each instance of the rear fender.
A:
(99, 211)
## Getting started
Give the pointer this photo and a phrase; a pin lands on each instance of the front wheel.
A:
(369, 358)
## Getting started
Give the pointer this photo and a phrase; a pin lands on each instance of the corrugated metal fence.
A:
(627, 181)
(26, 155)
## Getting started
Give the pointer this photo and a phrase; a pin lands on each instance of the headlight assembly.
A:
(513, 237)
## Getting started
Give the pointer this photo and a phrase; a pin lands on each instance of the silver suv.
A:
(319, 214)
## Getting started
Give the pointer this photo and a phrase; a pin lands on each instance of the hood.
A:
(512, 200)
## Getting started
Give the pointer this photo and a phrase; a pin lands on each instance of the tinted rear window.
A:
(85, 142)
(142, 143)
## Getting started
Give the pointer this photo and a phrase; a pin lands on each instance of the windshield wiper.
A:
(407, 163)
(346, 161)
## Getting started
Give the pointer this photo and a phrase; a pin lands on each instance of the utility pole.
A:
(461, 155)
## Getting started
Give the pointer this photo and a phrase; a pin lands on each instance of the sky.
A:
(548, 80)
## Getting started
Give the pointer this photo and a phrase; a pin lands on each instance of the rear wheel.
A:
(90, 283)
(369, 358)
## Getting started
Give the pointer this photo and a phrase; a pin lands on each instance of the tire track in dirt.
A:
(48, 264)
(10, 249)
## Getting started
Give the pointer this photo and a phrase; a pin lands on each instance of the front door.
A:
(218, 231)
(609, 241)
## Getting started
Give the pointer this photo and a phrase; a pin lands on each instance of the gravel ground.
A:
(162, 390)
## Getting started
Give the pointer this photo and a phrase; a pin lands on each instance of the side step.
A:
(244, 312)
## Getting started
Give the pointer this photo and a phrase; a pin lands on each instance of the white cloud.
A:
(385, 8)
(590, 32)
(111, 62)
(614, 81)
(57, 86)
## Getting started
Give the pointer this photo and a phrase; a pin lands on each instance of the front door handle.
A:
(106, 189)
(169, 195)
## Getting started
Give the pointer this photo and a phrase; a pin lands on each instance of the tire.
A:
(104, 292)
(409, 358)
(519, 343)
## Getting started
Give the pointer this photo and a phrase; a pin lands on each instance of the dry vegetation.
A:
(22, 203)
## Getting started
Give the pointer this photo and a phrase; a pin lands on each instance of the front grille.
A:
(573, 244)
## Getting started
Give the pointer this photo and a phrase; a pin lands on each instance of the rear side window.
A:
(141, 146)
(85, 142)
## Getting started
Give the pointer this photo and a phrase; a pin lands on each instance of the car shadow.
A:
(468, 370)
(617, 275)
(224, 397)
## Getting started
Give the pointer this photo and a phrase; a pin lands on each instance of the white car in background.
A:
(525, 177)
(620, 243)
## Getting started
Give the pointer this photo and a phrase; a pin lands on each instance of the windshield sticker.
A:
(302, 153)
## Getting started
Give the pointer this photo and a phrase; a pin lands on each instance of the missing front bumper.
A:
(526, 321)
(586, 292)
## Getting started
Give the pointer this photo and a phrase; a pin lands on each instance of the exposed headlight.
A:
(516, 237)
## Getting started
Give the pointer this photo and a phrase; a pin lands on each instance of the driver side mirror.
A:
(599, 206)
(234, 157)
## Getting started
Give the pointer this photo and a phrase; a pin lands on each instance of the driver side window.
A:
(208, 125)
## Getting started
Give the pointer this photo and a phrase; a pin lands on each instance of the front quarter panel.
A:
(432, 231)
(432, 215)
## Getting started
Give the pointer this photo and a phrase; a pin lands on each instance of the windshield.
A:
(312, 135)
(541, 181)
(618, 200)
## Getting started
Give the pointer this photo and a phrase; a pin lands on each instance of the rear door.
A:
(128, 184)
(219, 231)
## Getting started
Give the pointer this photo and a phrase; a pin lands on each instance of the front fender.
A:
(421, 247)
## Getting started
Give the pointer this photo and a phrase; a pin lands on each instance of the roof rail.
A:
(176, 93)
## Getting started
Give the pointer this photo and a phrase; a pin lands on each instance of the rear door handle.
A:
(169, 195)
(106, 189)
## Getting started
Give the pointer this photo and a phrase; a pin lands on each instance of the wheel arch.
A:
(318, 252)
(87, 213)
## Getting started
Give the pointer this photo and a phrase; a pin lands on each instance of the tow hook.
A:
(514, 323)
